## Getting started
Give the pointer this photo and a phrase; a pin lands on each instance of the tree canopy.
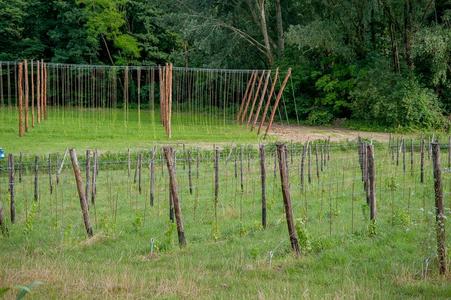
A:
(386, 62)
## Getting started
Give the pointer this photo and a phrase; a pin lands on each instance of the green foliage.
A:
(372, 228)
(402, 218)
(26, 289)
(303, 236)
(31, 218)
(395, 101)
(319, 117)
(137, 222)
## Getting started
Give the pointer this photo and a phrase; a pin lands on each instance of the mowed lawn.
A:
(134, 252)
(107, 130)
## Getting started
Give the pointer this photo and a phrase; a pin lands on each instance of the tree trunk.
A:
(280, 34)
(408, 33)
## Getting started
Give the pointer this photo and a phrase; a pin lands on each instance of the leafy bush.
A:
(392, 100)
(319, 117)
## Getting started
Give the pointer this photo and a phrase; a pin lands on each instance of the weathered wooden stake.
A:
(281, 153)
(422, 161)
(139, 172)
(3, 227)
(88, 171)
(20, 166)
(263, 181)
(36, 179)
(152, 177)
(82, 196)
(403, 148)
(241, 168)
(371, 181)
(49, 171)
(190, 179)
(449, 152)
(20, 88)
(168, 152)
(12, 205)
(26, 94)
(440, 217)
(304, 150)
(216, 175)
(317, 163)
(411, 157)
(276, 104)
(309, 163)
(94, 179)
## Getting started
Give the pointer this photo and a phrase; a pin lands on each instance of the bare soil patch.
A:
(304, 133)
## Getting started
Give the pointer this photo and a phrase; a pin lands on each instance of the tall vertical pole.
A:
(439, 209)
(282, 157)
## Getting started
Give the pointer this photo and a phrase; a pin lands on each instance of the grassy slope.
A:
(232, 261)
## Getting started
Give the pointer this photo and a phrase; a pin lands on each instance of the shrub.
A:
(392, 100)
(319, 117)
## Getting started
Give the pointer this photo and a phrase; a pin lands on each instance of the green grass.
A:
(107, 130)
(230, 259)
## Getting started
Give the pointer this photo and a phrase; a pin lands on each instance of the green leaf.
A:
(25, 289)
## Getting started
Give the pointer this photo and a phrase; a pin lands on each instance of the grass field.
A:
(343, 256)
(108, 131)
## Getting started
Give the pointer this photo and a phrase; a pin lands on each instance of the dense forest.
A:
(382, 63)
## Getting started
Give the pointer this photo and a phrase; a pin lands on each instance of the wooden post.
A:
(26, 95)
(411, 157)
(44, 90)
(3, 227)
(282, 157)
(439, 209)
(175, 198)
(241, 169)
(276, 104)
(301, 175)
(371, 181)
(20, 89)
(268, 102)
(257, 113)
(32, 94)
(422, 161)
(249, 96)
(190, 180)
(88, 171)
(12, 204)
(49, 171)
(316, 160)
(36, 179)
(38, 90)
(94, 179)
(251, 111)
(126, 96)
(263, 182)
(170, 102)
(20, 166)
(138, 75)
(139, 172)
(81, 194)
(249, 83)
(152, 177)
(216, 175)
(449, 152)
(309, 163)
(403, 149)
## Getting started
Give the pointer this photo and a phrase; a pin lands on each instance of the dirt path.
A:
(302, 133)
